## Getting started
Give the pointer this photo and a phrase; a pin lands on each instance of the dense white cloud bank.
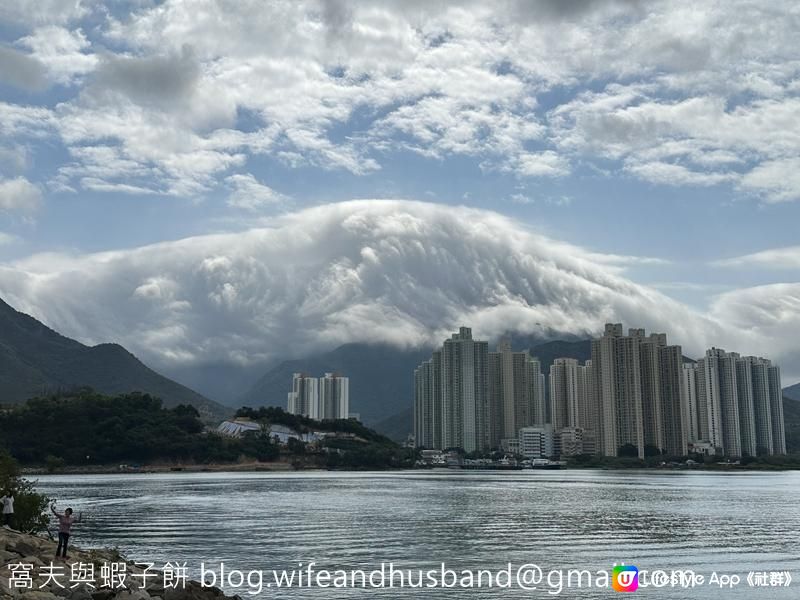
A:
(393, 271)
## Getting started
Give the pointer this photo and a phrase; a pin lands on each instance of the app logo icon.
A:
(625, 578)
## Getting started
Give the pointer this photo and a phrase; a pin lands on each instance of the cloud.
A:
(7, 238)
(627, 260)
(126, 144)
(29, 123)
(44, 12)
(539, 164)
(672, 93)
(20, 70)
(394, 271)
(19, 196)
(697, 141)
(777, 181)
(570, 9)
(167, 80)
(64, 53)
(672, 174)
(691, 286)
(13, 159)
(774, 258)
(248, 194)
(768, 318)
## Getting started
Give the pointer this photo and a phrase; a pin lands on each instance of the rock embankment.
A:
(30, 571)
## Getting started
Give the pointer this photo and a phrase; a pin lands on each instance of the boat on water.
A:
(545, 463)
(483, 464)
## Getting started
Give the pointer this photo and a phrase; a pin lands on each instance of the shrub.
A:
(30, 507)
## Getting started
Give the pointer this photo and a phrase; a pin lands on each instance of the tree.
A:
(259, 444)
(296, 446)
(628, 451)
(53, 463)
(30, 507)
(652, 450)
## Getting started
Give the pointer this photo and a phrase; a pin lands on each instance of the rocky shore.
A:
(29, 571)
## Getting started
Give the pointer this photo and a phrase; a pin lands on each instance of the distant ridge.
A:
(36, 361)
(381, 378)
(792, 392)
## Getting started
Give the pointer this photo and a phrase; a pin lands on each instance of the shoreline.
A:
(284, 467)
(243, 467)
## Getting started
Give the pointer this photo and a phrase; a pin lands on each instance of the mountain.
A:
(35, 360)
(791, 420)
(398, 426)
(548, 352)
(792, 392)
(224, 382)
(381, 378)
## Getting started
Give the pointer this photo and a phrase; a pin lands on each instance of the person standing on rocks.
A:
(7, 502)
(65, 523)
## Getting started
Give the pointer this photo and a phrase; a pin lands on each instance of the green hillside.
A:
(36, 361)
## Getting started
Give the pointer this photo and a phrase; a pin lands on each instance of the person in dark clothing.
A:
(65, 523)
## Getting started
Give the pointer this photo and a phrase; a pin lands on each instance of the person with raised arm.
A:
(65, 523)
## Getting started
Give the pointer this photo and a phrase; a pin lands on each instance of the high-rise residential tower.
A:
(617, 372)
(304, 397)
(638, 387)
(776, 410)
(637, 396)
(536, 379)
(334, 396)
(730, 402)
(689, 401)
(565, 392)
(762, 411)
(674, 417)
(720, 397)
(465, 407)
(650, 365)
(427, 422)
(451, 404)
(747, 419)
(514, 395)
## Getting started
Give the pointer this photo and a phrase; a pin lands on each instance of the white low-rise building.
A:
(536, 442)
(237, 427)
(704, 448)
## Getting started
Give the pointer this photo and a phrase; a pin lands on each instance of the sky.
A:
(237, 182)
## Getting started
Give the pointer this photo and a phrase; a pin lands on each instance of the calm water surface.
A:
(708, 522)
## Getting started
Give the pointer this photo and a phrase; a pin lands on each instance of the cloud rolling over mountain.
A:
(399, 272)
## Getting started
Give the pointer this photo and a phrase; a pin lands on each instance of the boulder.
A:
(133, 595)
(23, 547)
(38, 595)
(66, 591)
(31, 559)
